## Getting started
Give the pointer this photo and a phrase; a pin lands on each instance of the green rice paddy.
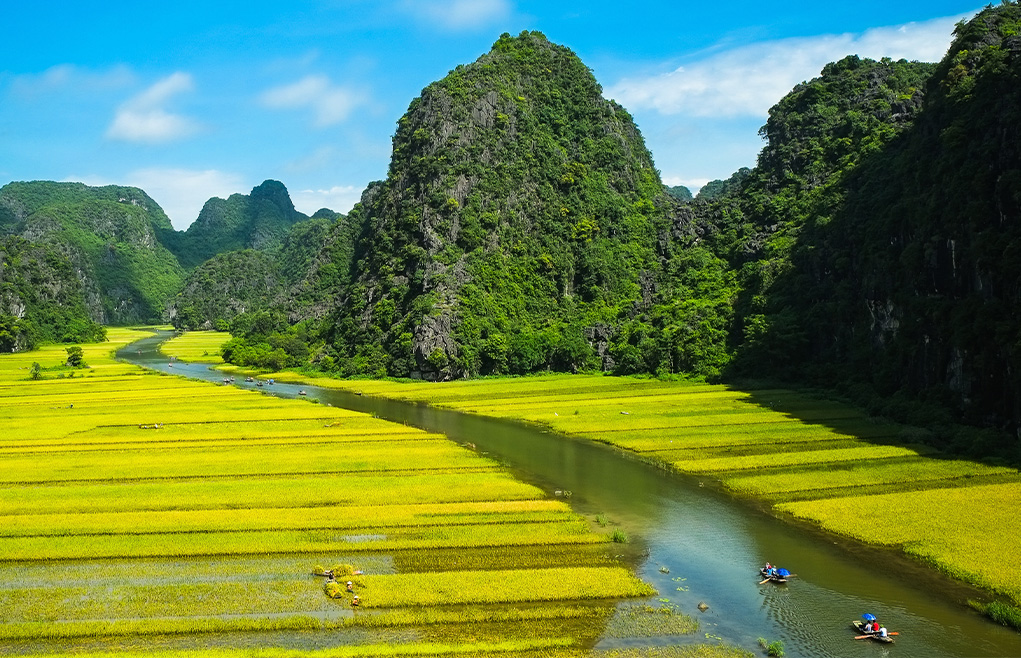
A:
(143, 512)
(196, 346)
(813, 459)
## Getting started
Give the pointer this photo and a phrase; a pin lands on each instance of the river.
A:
(703, 545)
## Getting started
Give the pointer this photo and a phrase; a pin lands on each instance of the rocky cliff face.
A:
(519, 209)
(110, 235)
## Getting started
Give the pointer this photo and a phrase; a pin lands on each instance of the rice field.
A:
(814, 460)
(143, 512)
(196, 346)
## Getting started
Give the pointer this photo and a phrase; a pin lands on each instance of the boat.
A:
(860, 627)
(780, 576)
(302, 392)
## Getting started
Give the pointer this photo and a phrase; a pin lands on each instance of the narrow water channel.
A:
(701, 544)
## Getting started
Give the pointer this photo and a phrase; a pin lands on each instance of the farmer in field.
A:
(350, 586)
(355, 602)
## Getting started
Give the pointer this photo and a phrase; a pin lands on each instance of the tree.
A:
(75, 357)
(36, 370)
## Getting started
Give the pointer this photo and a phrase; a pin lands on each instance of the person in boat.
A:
(766, 568)
(882, 631)
(867, 628)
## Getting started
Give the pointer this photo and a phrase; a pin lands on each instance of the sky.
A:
(190, 100)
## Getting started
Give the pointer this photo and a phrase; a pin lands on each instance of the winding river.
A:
(690, 530)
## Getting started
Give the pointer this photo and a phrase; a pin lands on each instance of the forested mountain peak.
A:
(515, 224)
(258, 220)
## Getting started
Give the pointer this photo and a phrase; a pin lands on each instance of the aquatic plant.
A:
(774, 648)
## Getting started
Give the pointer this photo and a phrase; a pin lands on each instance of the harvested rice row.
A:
(297, 441)
(337, 518)
(65, 630)
(261, 492)
(863, 452)
(292, 541)
(861, 474)
(164, 462)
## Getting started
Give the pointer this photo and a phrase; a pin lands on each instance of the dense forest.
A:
(522, 226)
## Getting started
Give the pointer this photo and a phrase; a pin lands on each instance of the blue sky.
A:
(190, 100)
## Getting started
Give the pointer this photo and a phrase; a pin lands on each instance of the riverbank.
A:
(812, 459)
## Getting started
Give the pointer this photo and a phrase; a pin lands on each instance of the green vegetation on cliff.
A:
(226, 286)
(259, 220)
(516, 228)
(898, 281)
(109, 234)
(41, 298)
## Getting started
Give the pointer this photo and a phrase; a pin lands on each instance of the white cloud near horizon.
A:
(459, 15)
(748, 80)
(330, 104)
(143, 118)
(339, 198)
(693, 184)
(180, 192)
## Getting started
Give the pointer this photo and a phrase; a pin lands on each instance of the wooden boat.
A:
(860, 627)
(773, 578)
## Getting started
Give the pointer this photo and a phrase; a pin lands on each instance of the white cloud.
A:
(693, 184)
(339, 198)
(459, 15)
(330, 104)
(143, 117)
(748, 80)
(180, 192)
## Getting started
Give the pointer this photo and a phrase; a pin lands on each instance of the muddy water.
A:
(702, 545)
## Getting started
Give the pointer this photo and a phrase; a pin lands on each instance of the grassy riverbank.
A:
(146, 511)
(814, 459)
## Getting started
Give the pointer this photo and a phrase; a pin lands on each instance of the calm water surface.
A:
(701, 544)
